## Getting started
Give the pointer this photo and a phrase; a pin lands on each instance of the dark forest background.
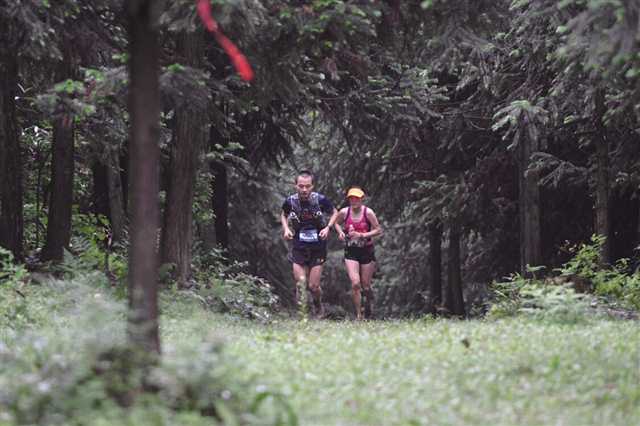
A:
(491, 137)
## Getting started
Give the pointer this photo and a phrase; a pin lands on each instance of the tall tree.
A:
(602, 201)
(525, 132)
(62, 167)
(117, 213)
(454, 302)
(435, 264)
(220, 192)
(11, 191)
(144, 109)
(188, 139)
(529, 206)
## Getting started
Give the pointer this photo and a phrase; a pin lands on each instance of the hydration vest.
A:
(311, 216)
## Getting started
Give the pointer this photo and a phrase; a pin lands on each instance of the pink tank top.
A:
(362, 225)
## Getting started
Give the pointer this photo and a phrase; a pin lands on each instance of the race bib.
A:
(356, 243)
(308, 235)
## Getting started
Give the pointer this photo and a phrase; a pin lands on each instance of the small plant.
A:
(88, 251)
(10, 272)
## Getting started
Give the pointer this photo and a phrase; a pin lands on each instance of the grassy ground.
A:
(422, 372)
(440, 372)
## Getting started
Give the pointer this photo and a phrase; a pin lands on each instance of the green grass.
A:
(423, 372)
(509, 372)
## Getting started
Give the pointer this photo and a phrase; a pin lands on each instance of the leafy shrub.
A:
(14, 309)
(558, 297)
(88, 252)
(615, 282)
(10, 272)
(227, 288)
(539, 299)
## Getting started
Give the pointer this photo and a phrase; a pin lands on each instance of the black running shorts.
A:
(362, 255)
(308, 256)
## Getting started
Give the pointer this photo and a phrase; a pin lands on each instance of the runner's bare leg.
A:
(353, 269)
(366, 275)
(315, 274)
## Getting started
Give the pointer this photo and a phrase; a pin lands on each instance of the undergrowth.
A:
(64, 360)
(581, 289)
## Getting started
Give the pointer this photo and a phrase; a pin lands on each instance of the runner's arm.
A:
(287, 234)
(325, 231)
(338, 225)
(376, 229)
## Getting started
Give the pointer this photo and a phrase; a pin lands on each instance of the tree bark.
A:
(638, 227)
(100, 190)
(220, 194)
(62, 167)
(602, 205)
(435, 264)
(529, 205)
(144, 110)
(188, 138)
(116, 196)
(61, 194)
(454, 300)
(11, 190)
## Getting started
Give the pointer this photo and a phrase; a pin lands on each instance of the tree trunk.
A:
(220, 197)
(116, 196)
(188, 137)
(61, 194)
(603, 224)
(529, 206)
(144, 153)
(638, 227)
(391, 21)
(11, 191)
(435, 264)
(100, 190)
(454, 300)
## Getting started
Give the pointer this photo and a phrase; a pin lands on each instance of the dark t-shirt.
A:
(306, 235)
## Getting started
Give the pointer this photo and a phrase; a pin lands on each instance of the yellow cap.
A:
(355, 192)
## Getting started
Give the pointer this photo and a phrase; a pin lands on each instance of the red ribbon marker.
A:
(238, 59)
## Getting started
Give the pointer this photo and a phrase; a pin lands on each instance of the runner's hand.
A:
(354, 235)
(341, 236)
(324, 233)
(287, 235)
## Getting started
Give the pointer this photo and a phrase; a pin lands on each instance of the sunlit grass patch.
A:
(448, 372)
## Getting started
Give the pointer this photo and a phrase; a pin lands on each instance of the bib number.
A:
(356, 243)
(308, 235)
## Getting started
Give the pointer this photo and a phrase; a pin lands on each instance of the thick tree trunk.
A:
(144, 110)
(220, 196)
(61, 194)
(454, 300)
(100, 190)
(602, 205)
(529, 208)
(116, 196)
(638, 227)
(221, 204)
(188, 138)
(435, 264)
(11, 191)
(62, 169)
